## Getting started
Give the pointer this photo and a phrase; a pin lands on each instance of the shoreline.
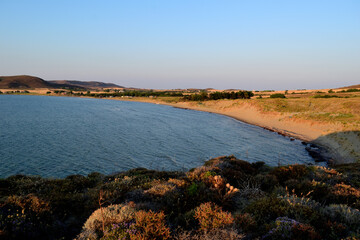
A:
(321, 139)
(324, 141)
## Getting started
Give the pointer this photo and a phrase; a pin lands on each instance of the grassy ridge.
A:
(226, 198)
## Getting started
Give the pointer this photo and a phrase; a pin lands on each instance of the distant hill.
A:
(23, 81)
(82, 84)
(353, 86)
(27, 82)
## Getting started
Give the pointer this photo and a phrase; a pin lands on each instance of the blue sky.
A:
(184, 43)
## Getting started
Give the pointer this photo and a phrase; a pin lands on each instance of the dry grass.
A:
(334, 110)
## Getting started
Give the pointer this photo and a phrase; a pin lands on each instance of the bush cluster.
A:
(227, 198)
(219, 95)
(277, 95)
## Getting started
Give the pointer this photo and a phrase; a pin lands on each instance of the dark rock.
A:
(316, 153)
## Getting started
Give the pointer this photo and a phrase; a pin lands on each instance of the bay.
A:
(59, 136)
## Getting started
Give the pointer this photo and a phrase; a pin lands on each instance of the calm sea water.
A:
(59, 136)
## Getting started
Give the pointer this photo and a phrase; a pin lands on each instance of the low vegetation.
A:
(277, 95)
(118, 93)
(226, 198)
(219, 95)
(321, 109)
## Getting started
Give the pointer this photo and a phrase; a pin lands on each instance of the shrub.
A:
(211, 216)
(123, 230)
(200, 173)
(344, 214)
(193, 189)
(29, 203)
(353, 90)
(267, 209)
(150, 225)
(25, 217)
(342, 193)
(324, 174)
(219, 95)
(304, 231)
(287, 228)
(320, 190)
(326, 96)
(177, 182)
(277, 95)
(161, 189)
(290, 172)
(334, 230)
(112, 214)
(245, 222)
(267, 182)
(251, 190)
(217, 234)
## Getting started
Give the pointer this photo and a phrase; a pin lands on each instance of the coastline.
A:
(326, 141)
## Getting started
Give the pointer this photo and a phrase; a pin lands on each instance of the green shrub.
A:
(353, 90)
(290, 172)
(277, 95)
(193, 189)
(267, 182)
(326, 96)
(267, 209)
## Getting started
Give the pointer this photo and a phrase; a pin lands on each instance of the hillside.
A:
(227, 198)
(28, 82)
(85, 84)
(353, 86)
(22, 81)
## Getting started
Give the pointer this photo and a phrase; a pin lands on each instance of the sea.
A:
(56, 137)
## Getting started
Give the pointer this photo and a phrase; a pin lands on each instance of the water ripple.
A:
(56, 137)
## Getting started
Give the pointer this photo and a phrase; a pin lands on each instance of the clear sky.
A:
(246, 44)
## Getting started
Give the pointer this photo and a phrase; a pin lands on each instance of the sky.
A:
(222, 44)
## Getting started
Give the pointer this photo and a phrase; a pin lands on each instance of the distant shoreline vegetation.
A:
(124, 94)
(202, 96)
(219, 95)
